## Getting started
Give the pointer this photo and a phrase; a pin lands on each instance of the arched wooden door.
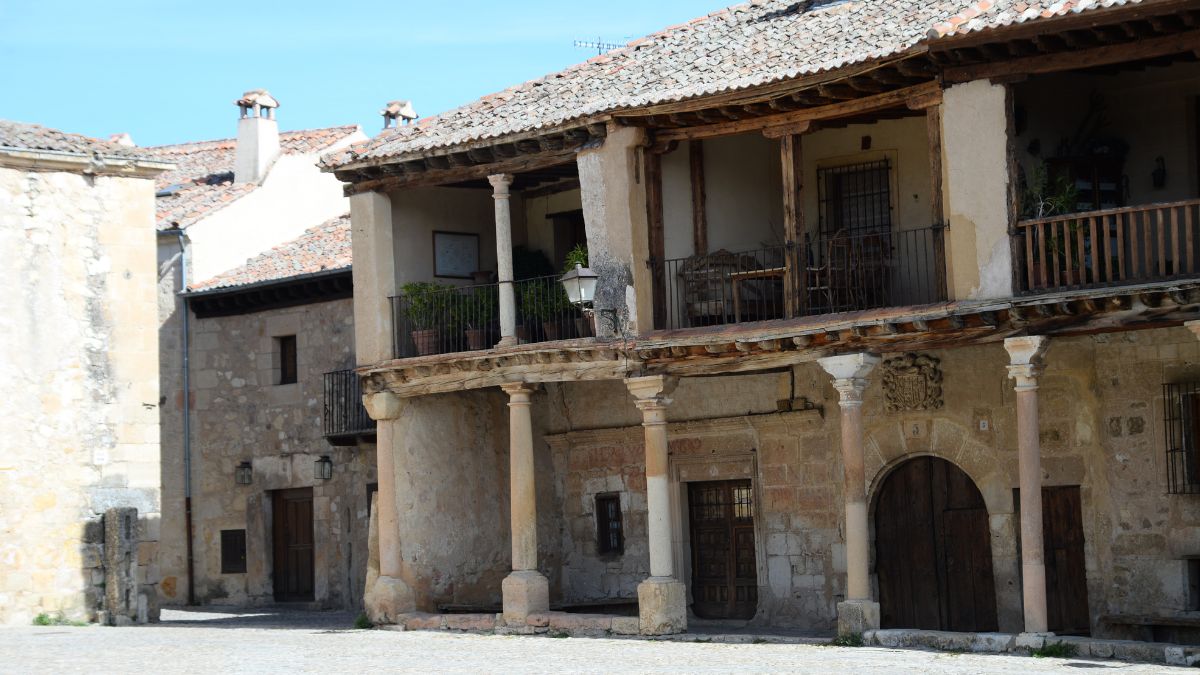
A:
(933, 552)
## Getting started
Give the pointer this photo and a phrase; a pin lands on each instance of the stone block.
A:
(662, 606)
(422, 621)
(579, 624)
(120, 566)
(478, 622)
(387, 599)
(857, 616)
(1031, 641)
(1150, 652)
(538, 619)
(1101, 649)
(992, 642)
(524, 592)
(625, 625)
(894, 637)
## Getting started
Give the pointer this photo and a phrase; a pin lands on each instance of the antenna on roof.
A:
(598, 45)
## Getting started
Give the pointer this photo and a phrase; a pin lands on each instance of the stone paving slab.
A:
(269, 641)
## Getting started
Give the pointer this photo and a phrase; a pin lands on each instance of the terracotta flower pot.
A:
(552, 330)
(427, 341)
(585, 326)
(477, 338)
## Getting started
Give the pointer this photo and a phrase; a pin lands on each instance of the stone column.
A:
(390, 596)
(504, 264)
(1025, 359)
(858, 613)
(374, 276)
(525, 590)
(662, 599)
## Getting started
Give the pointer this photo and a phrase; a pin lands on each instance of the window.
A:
(233, 551)
(285, 347)
(610, 539)
(1193, 584)
(1182, 424)
(855, 199)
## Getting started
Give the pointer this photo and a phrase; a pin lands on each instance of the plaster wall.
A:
(239, 413)
(418, 212)
(976, 182)
(540, 234)
(1151, 110)
(294, 197)
(79, 358)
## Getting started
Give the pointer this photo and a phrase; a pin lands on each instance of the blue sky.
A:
(168, 71)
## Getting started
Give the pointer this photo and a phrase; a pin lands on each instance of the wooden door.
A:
(293, 545)
(933, 550)
(724, 571)
(1066, 576)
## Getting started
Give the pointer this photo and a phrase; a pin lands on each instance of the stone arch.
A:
(932, 538)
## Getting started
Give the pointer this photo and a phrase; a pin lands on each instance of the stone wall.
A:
(79, 359)
(239, 413)
(1101, 419)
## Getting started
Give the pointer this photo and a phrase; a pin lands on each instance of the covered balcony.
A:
(762, 226)
(1108, 185)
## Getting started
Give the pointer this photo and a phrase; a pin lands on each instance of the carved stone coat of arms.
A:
(912, 382)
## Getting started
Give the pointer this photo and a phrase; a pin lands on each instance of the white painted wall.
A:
(294, 197)
(417, 212)
(539, 230)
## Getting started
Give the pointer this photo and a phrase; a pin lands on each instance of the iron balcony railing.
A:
(1181, 423)
(345, 417)
(826, 275)
(437, 319)
(1110, 247)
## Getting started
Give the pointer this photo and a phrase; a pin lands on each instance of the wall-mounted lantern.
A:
(323, 468)
(243, 474)
(580, 285)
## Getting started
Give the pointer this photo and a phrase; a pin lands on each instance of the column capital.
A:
(849, 372)
(1025, 360)
(651, 391)
(500, 184)
(1193, 326)
(384, 405)
(518, 392)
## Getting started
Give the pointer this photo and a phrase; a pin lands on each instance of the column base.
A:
(387, 599)
(1032, 640)
(507, 341)
(857, 616)
(525, 592)
(662, 606)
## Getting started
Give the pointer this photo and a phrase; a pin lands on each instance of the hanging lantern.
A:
(243, 474)
(323, 468)
(580, 284)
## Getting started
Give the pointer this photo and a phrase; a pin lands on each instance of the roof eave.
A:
(98, 164)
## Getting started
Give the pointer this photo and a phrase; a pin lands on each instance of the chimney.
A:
(396, 111)
(122, 139)
(257, 138)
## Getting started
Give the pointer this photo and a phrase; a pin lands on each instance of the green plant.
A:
(478, 307)
(543, 301)
(59, 619)
(363, 623)
(426, 304)
(847, 640)
(760, 641)
(560, 634)
(43, 619)
(1057, 650)
(576, 256)
(1042, 197)
(529, 263)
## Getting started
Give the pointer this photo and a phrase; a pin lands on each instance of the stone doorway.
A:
(724, 566)
(292, 532)
(933, 550)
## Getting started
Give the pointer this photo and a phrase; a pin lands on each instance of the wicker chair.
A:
(707, 291)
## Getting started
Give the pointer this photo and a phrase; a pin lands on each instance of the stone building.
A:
(79, 363)
(283, 455)
(889, 328)
(226, 202)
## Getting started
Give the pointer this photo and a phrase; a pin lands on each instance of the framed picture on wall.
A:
(455, 254)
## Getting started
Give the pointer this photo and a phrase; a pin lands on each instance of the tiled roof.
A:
(202, 182)
(748, 45)
(985, 14)
(23, 136)
(324, 248)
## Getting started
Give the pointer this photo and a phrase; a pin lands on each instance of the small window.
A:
(1193, 583)
(855, 199)
(285, 346)
(610, 538)
(233, 551)
(1182, 424)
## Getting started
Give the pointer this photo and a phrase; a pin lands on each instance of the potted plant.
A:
(1042, 197)
(545, 303)
(424, 311)
(585, 324)
(478, 312)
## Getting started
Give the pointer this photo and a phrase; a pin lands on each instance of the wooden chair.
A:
(708, 287)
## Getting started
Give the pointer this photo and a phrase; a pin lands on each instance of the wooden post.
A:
(652, 163)
(933, 129)
(793, 218)
(699, 200)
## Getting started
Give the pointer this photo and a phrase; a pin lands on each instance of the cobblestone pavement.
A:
(269, 641)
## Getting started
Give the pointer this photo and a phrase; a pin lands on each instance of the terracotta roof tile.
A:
(323, 248)
(744, 46)
(202, 182)
(24, 136)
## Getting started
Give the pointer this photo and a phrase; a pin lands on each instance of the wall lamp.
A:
(243, 474)
(323, 468)
(580, 284)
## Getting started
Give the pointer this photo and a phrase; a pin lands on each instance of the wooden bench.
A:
(1160, 628)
